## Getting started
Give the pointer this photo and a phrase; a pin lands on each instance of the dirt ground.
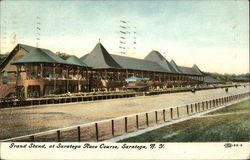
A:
(22, 121)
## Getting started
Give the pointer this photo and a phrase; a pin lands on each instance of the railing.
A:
(7, 103)
(106, 129)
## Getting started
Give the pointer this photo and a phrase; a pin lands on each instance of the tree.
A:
(63, 55)
(3, 56)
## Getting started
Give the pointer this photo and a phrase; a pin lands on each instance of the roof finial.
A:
(99, 40)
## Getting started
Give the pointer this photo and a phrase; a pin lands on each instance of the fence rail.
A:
(106, 129)
(9, 103)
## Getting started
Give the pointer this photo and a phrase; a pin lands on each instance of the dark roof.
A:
(197, 69)
(211, 80)
(76, 61)
(137, 64)
(84, 57)
(26, 47)
(188, 70)
(40, 55)
(158, 58)
(100, 58)
(175, 67)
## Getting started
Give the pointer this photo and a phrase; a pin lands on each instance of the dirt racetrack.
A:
(22, 121)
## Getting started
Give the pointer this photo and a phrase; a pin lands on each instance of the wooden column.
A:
(78, 75)
(17, 78)
(67, 79)
(26, 91)
(87, 79)
(118, 75)
(54, 73)
(41, 70)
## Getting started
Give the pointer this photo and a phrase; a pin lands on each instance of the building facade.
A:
(34, 72)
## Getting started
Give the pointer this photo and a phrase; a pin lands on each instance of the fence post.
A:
(164, 115)
(112, 128)
(32, 138)
(96, 131)
(191, 108)
(187, 110)
(196, 108)
(147, 119)
(137, 121)
(78, 134)
(156, 117)
(178, 114)
(58, 136)
(126, 124)
(171, 112)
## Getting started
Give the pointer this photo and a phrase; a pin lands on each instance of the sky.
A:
(211, 34)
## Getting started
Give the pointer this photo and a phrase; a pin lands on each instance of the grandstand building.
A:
(34, 72)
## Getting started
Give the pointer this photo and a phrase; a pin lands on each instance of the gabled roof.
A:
(40, 55)
(100, 58)
(175, 67)
(84, 57)
(137, 64)
(155, 56)
(197, 69)
(211, 80)
(188, 70)
(76, 61)
(10, 56)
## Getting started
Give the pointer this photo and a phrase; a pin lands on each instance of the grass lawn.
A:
(226, 125)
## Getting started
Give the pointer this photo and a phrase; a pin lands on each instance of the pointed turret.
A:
(174, 65)
(155, 56)
(197, 69)
(100, 58)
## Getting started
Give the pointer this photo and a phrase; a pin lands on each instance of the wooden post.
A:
(78, 133)
(67, 79)
(192, 111)
(187, 110)
(54, 77)
(32, 138)
(178, 114)
(164, 115)
(96, 131)
(58, 136)
(41, 72)
(137, 122)
(126, 124)
(113, 128)
(156, 117)
(171, 112)
(147, 119)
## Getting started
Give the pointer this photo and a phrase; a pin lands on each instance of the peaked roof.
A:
(157, 57)
(175, 67)
(42, 56)
(137, 64)
(100, 58)
(211, 80)
(84, 57)
(76, 61)
(188, 70)
(197, 68)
